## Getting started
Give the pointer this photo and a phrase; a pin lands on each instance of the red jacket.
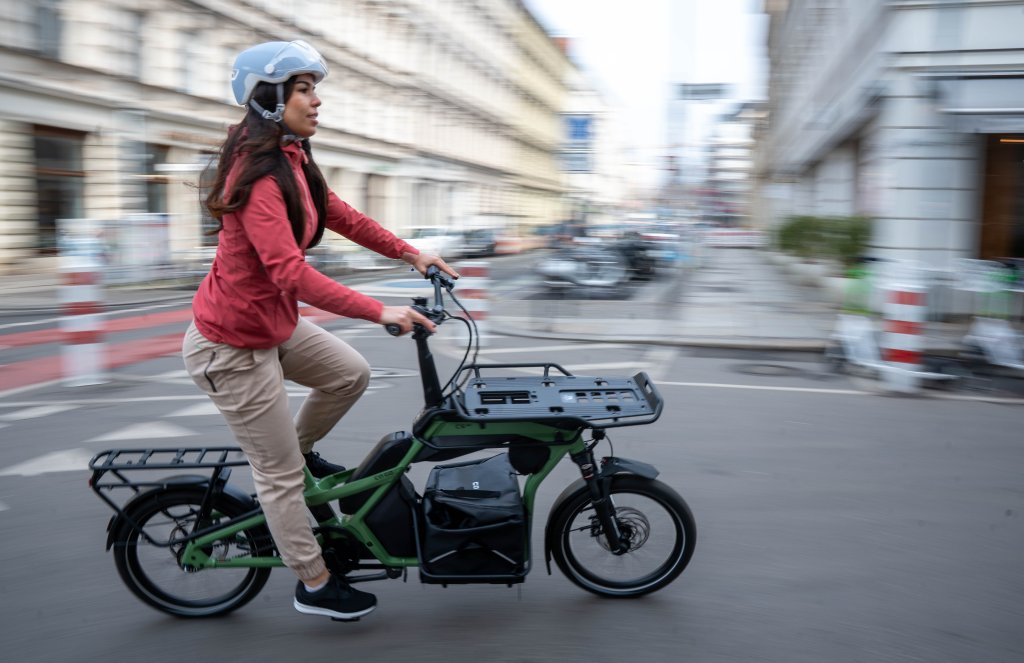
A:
(250, 297)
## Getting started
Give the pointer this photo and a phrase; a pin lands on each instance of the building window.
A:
(133, 44)
(156, 181)
(48, 26)
(59, 182)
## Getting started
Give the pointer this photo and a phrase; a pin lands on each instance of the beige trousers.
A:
(248, 388)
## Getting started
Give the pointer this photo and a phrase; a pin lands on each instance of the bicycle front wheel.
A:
(657, 526)
(153, 572)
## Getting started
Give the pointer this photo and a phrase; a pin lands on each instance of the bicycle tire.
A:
(151, 571)
(581, 551)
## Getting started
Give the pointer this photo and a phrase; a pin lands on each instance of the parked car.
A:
(480, 243)
(439, 240)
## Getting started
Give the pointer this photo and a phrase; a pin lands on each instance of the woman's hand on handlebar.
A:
(421, 261)
(403, 318)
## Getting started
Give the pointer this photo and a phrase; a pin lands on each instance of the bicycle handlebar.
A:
(440, 281)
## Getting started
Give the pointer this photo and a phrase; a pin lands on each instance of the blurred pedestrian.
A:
(247, 337)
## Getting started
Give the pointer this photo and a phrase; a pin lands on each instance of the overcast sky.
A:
(637, 49)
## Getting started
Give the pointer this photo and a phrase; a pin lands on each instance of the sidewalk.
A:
(733, 298)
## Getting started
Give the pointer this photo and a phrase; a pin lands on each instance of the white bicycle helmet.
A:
(273, 62)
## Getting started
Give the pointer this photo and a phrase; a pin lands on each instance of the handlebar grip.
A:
(393, 329)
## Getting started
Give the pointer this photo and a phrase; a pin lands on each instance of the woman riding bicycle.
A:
(247, 337)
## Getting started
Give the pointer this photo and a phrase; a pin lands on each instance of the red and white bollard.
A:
(904, 313)
(474, 284)
(83, 352)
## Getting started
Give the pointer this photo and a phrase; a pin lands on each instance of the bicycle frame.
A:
(336, 487)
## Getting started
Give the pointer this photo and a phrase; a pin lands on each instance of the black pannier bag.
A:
(474, 527)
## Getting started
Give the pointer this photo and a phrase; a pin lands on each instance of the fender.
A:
(123, 517)
(610, 466)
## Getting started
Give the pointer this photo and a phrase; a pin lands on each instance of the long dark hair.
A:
(257, 141)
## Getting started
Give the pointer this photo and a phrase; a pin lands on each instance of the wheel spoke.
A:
(155, 574)
(655, 525)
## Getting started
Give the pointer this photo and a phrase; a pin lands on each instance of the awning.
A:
(982, 102)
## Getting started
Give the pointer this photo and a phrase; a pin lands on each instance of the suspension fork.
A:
(600, 497)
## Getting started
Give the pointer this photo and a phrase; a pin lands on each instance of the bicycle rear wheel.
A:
(154, 573)
(656, 523)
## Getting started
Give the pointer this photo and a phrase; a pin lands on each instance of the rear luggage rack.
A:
(111, 468)
(597, 402)
(118, 468)
(167, 459)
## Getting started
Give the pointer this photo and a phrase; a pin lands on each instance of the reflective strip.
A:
(892, 311)
(83, 337)
(79, 292)
(82, 308)
(902, 341)
(901, 327)
(472, 270)
(80, 278)
(78, 323)
(908, 297)
(901, 356)
(82, 364)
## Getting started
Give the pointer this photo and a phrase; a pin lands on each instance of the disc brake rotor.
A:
(633, 527)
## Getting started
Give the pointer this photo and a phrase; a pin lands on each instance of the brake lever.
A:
(434, 316)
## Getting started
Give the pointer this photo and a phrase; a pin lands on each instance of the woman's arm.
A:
(349, 222)
(264, 219)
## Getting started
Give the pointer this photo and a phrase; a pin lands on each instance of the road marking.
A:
(197, 410)
(980, 399)
(721, 385)
(3, 507)
(148, 431)
(36, 412)
(845, 392)
(58, 461)
(173, 375)
(549, 348)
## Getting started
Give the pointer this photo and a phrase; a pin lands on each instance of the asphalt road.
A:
(834, 524)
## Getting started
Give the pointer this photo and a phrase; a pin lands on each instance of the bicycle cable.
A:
(472, 343)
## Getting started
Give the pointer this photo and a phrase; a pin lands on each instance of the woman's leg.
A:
(337, 374)
(247, 386)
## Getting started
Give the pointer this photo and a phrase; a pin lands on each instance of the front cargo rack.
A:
(596, 402)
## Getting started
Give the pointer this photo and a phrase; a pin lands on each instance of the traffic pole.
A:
(904, 314)
(83, 352)
(474, 285)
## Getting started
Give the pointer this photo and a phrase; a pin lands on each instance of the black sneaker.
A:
(337, 600)
(319, 467)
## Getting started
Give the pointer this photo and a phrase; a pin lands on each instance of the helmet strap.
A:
(278, 113)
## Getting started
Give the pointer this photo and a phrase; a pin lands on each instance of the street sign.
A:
(701, 91)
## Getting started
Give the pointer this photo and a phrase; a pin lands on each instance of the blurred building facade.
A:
(729, 182)
(909, 112)
(592, 155)
(434, 113)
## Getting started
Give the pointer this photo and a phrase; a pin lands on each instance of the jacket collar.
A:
(296, 155)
